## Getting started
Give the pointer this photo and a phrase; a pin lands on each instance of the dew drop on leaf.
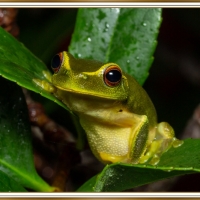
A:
(89, 39)
(107, 25)
(137, 58)
(144, 24)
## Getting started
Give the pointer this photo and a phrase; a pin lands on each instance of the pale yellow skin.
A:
(120, 121)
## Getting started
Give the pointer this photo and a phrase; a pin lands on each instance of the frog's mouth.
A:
(82, 92)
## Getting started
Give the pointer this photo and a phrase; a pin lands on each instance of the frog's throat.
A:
(88, 93)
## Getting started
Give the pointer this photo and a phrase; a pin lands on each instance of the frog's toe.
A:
(155, 160)
(45, 85)
(177, 143)
(47, 75)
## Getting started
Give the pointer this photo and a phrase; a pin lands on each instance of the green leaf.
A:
(93, 31)
(18, 64)
(119, 177)
(121, 35)
(185, 157)
(9, 185)
(122, 177)
(16, 156)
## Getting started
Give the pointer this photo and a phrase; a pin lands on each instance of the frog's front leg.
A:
(164, 140)
(45, 84)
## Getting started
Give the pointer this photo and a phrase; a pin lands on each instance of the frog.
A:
(116, 113)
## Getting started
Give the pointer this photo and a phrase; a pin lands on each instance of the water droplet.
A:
(137, 58)
(107, 25)
(144, 24)
(117, 10)
(89, 39)
(128, 61)
(79, 55)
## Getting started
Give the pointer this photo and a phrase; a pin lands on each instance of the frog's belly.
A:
(108, 142)
(110, 127)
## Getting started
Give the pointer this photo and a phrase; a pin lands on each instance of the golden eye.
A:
(56, 62)
(112, 75)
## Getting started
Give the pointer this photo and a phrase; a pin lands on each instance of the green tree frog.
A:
(114, 110)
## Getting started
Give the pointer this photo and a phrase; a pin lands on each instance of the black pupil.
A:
(114, 76)
(55, 62)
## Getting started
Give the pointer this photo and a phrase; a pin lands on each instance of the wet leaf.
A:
(121, 35)
(9, 185)
(16, 156)
(18, 64)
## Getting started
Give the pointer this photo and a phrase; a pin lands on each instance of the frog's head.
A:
(89, 77)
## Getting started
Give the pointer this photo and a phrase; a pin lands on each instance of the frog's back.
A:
(139, 101)
(80, 65)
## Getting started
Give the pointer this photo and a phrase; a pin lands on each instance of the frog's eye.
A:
(56, 62)
(112, 75)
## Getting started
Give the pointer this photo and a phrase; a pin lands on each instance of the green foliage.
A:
(9, 185)
(16, 156)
